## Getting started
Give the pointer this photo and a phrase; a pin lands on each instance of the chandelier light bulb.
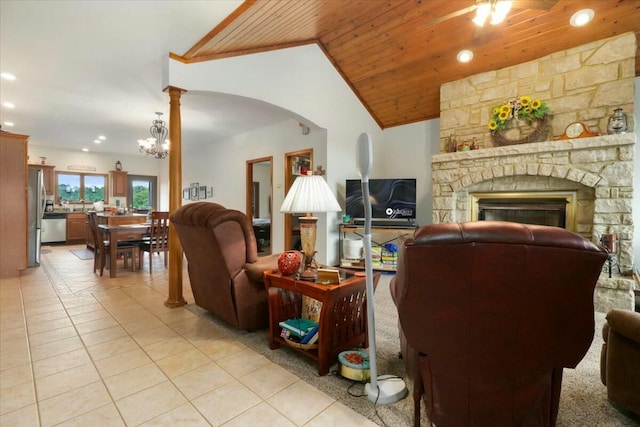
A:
(153, 146)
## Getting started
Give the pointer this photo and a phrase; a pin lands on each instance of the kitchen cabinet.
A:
(76, 227)
(13, 203)
(48, 175)
(118, 183)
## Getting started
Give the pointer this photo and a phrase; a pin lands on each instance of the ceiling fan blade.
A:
(534, 4)
(452, 15)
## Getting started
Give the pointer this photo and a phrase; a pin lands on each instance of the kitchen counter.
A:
(126, 215)
(57, 213)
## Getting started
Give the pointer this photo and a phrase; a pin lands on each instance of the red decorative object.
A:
(289, 262)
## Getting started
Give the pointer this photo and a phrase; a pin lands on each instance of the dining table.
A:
(121, 233)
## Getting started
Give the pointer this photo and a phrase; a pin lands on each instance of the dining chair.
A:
(158, 240)
(102, 248)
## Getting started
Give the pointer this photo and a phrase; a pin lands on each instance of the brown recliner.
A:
(491, 313)
(620, 359)
(225, 270)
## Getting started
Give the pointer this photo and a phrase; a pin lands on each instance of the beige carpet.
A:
(583, 401)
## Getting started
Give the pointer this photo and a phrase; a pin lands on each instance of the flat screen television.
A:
(391, 199)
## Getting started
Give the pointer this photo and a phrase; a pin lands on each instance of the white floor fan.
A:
(382, 389)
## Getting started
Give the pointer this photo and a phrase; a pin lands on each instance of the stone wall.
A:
(581, 84)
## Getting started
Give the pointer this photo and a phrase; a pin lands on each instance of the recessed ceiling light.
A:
(7, 76)
(581, 17)
(8, 105)
(97, 141)
(8, 124)
(465, 56)
(85, 149)
(102, 137)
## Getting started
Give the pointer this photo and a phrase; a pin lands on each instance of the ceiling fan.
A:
(487, 8)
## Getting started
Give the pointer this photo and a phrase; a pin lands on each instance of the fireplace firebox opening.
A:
(556, 209)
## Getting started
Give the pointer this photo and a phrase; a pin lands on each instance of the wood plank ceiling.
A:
(395, 54)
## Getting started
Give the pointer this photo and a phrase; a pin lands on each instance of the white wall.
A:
(314, 91)
(300, 80)
(222, 164)
(405, 152)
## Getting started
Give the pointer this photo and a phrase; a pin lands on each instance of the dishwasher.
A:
(54, 227)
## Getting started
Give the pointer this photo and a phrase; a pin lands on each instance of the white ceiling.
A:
(89, 68)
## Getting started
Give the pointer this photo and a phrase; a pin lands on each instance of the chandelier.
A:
(158, 144)
(496, 9)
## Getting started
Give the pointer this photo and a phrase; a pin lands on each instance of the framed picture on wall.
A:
(203, 192)
(194, 190)
(185, 193)
(209, 192)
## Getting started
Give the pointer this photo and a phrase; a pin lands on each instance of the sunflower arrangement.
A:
(520, 108)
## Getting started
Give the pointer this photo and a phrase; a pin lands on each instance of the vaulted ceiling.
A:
(89, 68)
(395, 54)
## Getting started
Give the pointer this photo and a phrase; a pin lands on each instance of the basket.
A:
(294, 344)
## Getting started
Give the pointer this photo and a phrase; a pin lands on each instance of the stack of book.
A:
(303, 331)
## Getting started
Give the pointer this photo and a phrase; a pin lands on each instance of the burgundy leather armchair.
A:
(225, 270)
(620, 359)
(490, 313)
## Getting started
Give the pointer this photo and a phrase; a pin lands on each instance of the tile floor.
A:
(77, 349)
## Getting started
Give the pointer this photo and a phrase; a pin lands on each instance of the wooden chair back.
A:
(159, 233)
(158, 238)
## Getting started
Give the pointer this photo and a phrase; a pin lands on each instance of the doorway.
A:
(259, 199)
(142, 192)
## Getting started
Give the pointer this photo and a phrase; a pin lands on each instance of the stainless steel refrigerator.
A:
(37, 200)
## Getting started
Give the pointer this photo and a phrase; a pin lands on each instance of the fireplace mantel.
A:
(605, 141)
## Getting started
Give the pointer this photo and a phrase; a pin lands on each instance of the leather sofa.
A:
(225, 271)
(620, 359)
(489, 314)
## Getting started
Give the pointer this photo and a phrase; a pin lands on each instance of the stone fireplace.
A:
(595, 173)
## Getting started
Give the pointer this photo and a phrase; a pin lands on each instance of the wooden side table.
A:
(343, 318)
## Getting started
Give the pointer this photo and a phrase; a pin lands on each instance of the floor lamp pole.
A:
(386, 388)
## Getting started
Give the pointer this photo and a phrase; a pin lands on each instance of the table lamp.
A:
(309, 193)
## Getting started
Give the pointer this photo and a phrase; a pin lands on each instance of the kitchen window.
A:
(81, 187)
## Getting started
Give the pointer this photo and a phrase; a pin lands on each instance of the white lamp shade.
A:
(310, 193)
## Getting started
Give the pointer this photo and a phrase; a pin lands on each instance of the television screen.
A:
(391, 198)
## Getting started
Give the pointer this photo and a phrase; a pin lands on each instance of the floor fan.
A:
(385, 388)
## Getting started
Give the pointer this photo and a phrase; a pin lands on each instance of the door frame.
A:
(249, 192)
